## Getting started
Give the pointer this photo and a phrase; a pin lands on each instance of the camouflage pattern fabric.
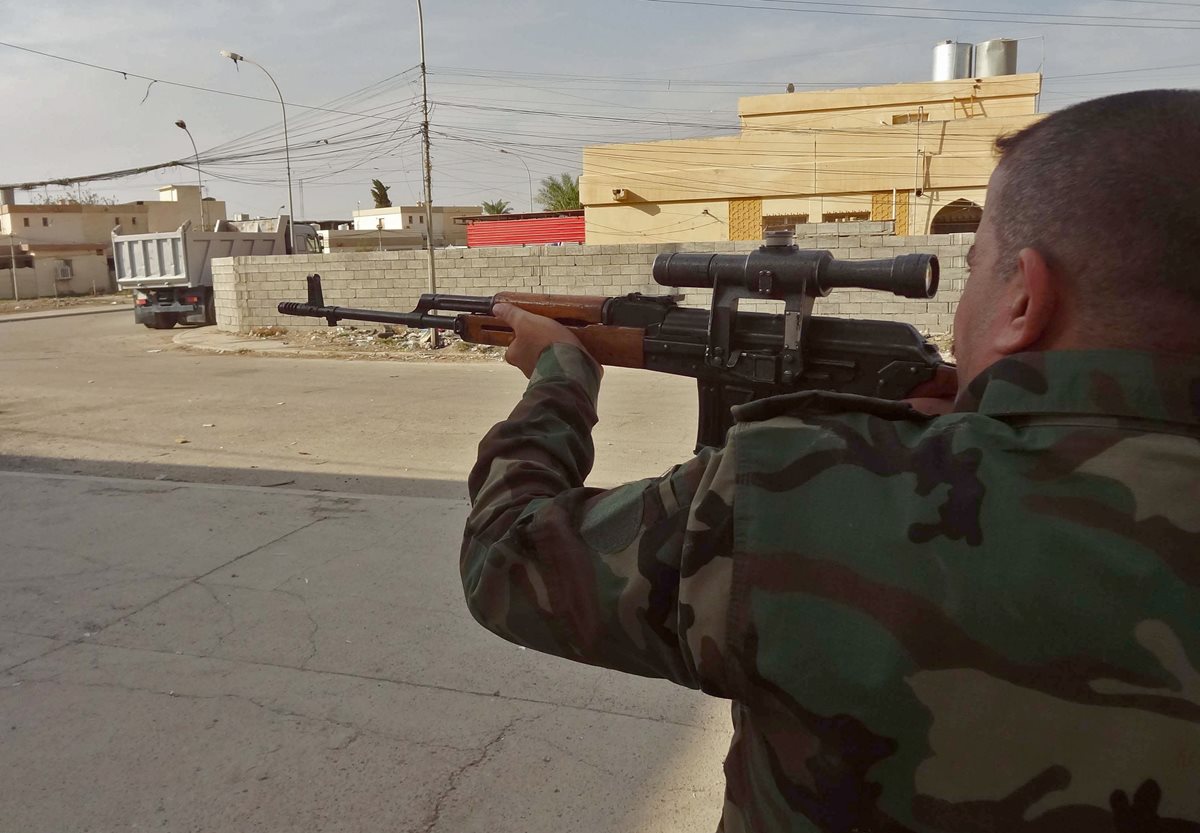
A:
(984, 622)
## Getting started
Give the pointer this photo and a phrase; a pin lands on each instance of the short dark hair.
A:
(1109, 192)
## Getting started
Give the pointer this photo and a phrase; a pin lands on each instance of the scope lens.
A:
(931, 277)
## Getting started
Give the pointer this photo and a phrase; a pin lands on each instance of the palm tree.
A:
(379, 193)
(560, 193)
(497, 207)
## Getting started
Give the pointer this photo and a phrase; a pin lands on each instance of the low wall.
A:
(88, 272)
(247, 289)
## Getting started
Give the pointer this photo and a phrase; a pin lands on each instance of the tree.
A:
(560, 193)
(497, 207)
(76, 198)
(379, 193)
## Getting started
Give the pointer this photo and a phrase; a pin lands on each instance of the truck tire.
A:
(161, 321)
(210, 308)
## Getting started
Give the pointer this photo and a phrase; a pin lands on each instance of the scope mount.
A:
(764, 276)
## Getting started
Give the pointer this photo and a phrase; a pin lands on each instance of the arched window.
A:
(958, 216)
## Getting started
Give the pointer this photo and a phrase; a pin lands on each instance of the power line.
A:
(1159, 3)
(127, 75)
(980, 11)
(1010, 21)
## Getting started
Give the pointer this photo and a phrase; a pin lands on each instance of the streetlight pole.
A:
(434, 337)
(287, 154)
(527, 173)
(182, 125)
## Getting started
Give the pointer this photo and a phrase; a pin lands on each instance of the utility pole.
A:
(434, 338)
(12, 262)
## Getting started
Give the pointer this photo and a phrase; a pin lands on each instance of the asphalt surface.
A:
(229, 601)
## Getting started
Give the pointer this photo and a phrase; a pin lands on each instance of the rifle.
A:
(735, 357)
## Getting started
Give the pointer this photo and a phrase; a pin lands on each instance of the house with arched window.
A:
(918, 155)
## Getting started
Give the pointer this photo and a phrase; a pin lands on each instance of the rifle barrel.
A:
(422, 320)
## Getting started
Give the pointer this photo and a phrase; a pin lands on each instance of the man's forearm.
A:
(543, 448)
(587, 574)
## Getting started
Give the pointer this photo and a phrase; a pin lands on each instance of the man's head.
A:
(1091, 234)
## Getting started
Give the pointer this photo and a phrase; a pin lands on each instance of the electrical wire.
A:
(726, 5)
(941, 9)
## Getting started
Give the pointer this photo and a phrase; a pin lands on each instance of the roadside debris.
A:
(380, 341)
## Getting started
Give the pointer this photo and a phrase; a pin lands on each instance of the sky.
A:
(516, 87)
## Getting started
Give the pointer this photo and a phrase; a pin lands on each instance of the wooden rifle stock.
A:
(582, 309)
(612, 346)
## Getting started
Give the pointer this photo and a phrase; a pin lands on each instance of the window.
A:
(25, 220)
(116, 221)
(422, 218)
(134, 221)
(845, 216)
(46, 221)
(910, 118)
(775, 221)
(410, 219)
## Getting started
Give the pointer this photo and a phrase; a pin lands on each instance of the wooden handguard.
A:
(612, 346)
(583, 309)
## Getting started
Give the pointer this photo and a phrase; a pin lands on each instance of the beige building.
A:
(411, 219)
(66, 249)
(919, 154)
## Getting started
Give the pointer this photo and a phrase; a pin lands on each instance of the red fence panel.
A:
(525, 231)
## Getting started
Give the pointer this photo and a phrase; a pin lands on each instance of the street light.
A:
(527, 173)
(182, 125)
(287, 154)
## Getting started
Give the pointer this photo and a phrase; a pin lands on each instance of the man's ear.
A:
(1027, 306)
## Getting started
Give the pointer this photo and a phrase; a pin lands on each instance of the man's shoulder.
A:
(770, 431)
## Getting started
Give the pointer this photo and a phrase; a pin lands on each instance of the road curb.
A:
(43, 315)
(208, 342)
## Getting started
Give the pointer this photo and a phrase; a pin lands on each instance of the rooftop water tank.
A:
(996, 57)
(951, 61)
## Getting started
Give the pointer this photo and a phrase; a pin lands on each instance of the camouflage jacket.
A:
(985, 621)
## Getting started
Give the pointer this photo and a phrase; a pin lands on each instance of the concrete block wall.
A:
(247, 289)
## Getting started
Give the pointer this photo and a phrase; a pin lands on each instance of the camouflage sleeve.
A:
(608, 578)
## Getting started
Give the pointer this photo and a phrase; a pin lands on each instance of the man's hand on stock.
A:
(533, 334)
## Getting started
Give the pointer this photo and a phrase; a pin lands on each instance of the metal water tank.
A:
(951, 61)
(996, 57)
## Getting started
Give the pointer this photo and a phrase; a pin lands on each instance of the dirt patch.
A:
(40, 304)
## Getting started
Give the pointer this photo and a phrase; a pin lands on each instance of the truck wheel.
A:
(161, 321)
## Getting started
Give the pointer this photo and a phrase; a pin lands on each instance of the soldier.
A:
(986, 620)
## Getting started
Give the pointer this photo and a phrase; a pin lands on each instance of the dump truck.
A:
(170, 273)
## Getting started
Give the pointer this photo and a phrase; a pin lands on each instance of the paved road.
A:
(261, 628)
